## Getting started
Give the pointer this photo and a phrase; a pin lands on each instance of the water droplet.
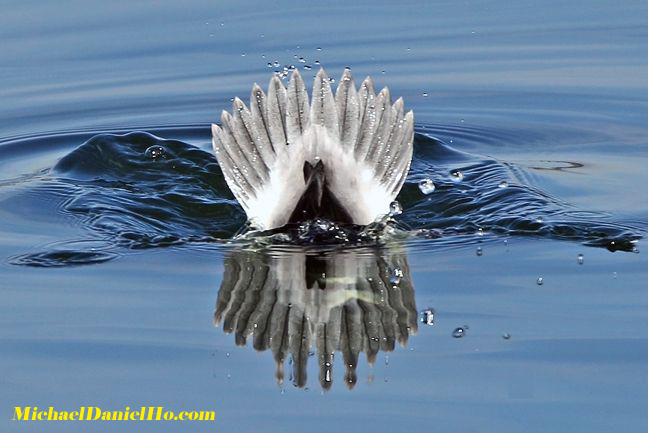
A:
(307, 67)
(396, 276)
(456, 175)
(458, 332)
(479, 252)
(506, 336)
(540, 281)
(317, 62)
(395, 208)
(382, 72)
(276, 64)
(480, 232)
(503, 184)
(227, 354)
(425, 94)
(386, 359)
(539, 219)
(243, 54)
(269, 65)
(302, 60)
(426, 186)
(427, 316)
(156, 152)
(319, 48)
(580, 259)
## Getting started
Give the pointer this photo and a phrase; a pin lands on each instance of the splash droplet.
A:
(503, 184)
(427, 316)
(479, 251)
(395, 208)
(539, 219)
(426, 186)
(156, 152)
(540, 281)
(458, 332)
(396, 276)
(425, 94)
(456, 175)
(580, 259)
(506, 336)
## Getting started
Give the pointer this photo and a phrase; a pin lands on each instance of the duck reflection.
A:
(299, 303)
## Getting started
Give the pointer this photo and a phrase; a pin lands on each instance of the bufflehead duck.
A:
(341, 157)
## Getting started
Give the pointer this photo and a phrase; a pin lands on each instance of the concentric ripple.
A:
(137, 190)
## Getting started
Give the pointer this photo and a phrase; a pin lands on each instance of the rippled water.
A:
(516, 287)
(136, 191)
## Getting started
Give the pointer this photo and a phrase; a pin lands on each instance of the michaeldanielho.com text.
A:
(96, 414)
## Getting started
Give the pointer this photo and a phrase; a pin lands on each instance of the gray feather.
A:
(246, 136)
(238, 153)
(348, 108)
(374, 111)
(323, 110)
(393, 139)
(260, 125)
(276, 113)
(297, 120)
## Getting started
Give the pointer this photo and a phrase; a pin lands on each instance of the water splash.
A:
(138, 191)
(459, 332)
(426, 186)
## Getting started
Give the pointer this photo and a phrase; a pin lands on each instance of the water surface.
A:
(116, 262)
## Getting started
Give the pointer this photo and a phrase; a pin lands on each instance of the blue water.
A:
(118, 277)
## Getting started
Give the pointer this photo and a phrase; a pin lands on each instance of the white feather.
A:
(363, 141)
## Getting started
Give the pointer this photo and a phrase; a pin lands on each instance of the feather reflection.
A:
(298, 303)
